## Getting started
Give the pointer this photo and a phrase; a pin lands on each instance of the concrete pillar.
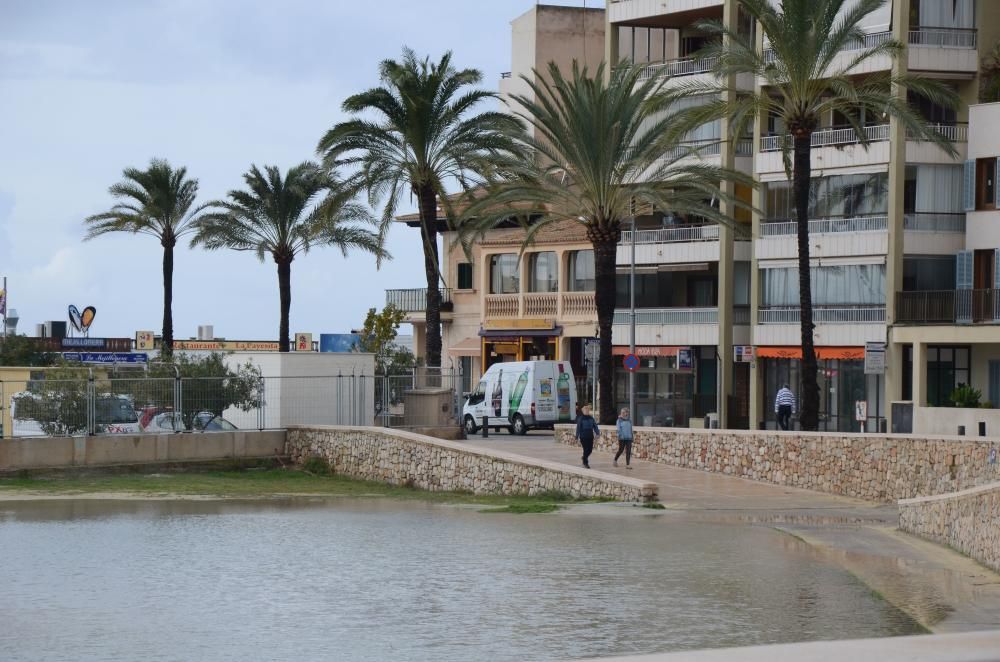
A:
(919, 374)
(757, 398)
(610, 41)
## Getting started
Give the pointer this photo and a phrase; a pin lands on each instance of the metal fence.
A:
(141, 405)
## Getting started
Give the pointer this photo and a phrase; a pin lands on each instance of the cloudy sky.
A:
(88, 88)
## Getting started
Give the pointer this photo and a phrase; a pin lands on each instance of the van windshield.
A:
(115, 410)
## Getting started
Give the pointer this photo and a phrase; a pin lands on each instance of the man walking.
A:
(586, 430)
(784, 406)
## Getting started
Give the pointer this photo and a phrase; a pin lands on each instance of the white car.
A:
(53, 414)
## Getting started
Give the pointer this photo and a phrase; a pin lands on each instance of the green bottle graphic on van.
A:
(562, 394)
(497, 400)
(518, 392)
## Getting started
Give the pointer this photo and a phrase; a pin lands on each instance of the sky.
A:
(90, 88)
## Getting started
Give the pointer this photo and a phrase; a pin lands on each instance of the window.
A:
(581, 271)
(465, 276)
(465, 365)
(933, 189)
(849, 284)
(986, 183)
(939, 14)
(947, 369)
(543, 269)
(504, 276)
(928, 272)
(845, 196)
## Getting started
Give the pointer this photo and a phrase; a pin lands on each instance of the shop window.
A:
(581, 271)
(465, 276)
(504, 274)
(543, 269)
(947, 369)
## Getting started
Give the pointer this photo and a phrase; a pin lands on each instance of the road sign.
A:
(631, 362)
(874, 358)
(860, 411)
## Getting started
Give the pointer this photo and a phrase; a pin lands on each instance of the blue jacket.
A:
(586, 427)
(624, 428)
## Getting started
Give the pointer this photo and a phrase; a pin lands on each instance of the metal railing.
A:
(870, 40)
(830, 137)
(942, 37)
(948, 307)
(414, 300)
(956, 132)
(680, 67)
(674, 235)
(872, 223)
(140, 406)
(668, 316)
(953, 222)
(823, 315)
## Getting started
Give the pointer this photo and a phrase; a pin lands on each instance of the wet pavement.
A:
(942, 589)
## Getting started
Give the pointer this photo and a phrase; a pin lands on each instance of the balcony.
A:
(947, 222)
(948, 307)
(823, 315)
(556, 305)
(942, 37)
(668, 316)
(674, 235)
(415, 300)
(872, 223)
(830, 137)
(625, 11)
(870, 40)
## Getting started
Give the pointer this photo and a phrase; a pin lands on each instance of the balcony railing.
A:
(948, 307)
(943, 37)
(870, 40)
(540, 304)
(955, 132)
(675, 235)
(415, 300)
(953, 222)
(873, 223)
(831, 137)
(824, 315)
(505, 306)
(579, 304)
(680, 67)
(669, 316)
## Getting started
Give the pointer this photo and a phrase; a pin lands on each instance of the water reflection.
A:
(375, 580)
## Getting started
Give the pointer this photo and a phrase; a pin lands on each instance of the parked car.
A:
(171, 421)
(40, 414)
(521, 395)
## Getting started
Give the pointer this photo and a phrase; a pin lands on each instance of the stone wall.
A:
(399, 457)
(968, 521)
(867, 466)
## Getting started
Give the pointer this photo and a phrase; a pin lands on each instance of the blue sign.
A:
(106, 357)
(339, 342)
(631, 362)
(685, 361)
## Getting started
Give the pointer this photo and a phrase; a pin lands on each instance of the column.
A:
(757, 398)
(610, 40)
(919, 375)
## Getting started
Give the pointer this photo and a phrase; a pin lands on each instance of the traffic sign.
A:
(631, 362)
(874, 358)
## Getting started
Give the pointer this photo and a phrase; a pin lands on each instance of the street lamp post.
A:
(631, 334)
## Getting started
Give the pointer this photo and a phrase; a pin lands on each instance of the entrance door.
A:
(739, 401)
(983, 279)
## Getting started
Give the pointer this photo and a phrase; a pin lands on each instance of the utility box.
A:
(428, 407)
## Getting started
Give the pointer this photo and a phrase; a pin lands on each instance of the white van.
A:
(521, 395)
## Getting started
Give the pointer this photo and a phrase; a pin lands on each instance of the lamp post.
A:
(631, 333)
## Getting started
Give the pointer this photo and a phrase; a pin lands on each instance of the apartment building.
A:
(895, 226)
(500, 304)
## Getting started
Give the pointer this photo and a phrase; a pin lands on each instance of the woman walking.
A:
(586, 431)
(624, 427)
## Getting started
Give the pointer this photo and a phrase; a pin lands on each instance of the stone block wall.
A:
(399, 457)
(874, 467)
(968, 521)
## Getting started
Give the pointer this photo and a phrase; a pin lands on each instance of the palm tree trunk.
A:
(285, 295)
(428, 227)
(167, 333)
(605, 255)
(809, 414)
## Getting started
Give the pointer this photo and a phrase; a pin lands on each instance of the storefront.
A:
(672, 385)
(527, 340)
(842, 383)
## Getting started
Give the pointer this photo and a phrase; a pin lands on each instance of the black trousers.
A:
(784, 416)
(588, 448)
(624, 446)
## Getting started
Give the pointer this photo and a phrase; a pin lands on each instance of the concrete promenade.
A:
(940, 588)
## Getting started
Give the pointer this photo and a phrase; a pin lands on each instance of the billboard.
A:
(339, 342)
(303, 342)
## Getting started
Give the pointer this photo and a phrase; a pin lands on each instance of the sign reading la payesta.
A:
(227, 345)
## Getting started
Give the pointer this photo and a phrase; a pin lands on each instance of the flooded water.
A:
(384, 580)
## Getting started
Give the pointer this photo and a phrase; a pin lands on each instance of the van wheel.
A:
(470, 425)
(518, 426)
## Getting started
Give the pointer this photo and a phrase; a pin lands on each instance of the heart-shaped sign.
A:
(87, 317)
(74, 318)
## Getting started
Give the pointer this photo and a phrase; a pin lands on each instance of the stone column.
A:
(919, 375)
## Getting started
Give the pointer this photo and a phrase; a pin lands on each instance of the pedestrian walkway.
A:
(942, 589)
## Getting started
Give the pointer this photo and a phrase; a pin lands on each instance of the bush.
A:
(317, 465)
(966, 396)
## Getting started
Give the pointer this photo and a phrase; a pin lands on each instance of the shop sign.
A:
(226, 345)
(874, 358)
(303, 342)
(651, 351)
(106, 357)
(685, 359)
(518, 324)
(743, 353)
(84, 343)
(144, 340)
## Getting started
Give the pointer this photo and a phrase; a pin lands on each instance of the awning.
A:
(467, 347)
(849, 353)
(521, 333)
(648, 350)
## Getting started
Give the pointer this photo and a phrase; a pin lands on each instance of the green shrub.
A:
(557, 496)
(965, 396)
(317, 465)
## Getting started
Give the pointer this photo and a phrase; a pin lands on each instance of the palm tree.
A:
(602, 146)
(287, 216)
(158, 201)
(423, 133)
(807, 74)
